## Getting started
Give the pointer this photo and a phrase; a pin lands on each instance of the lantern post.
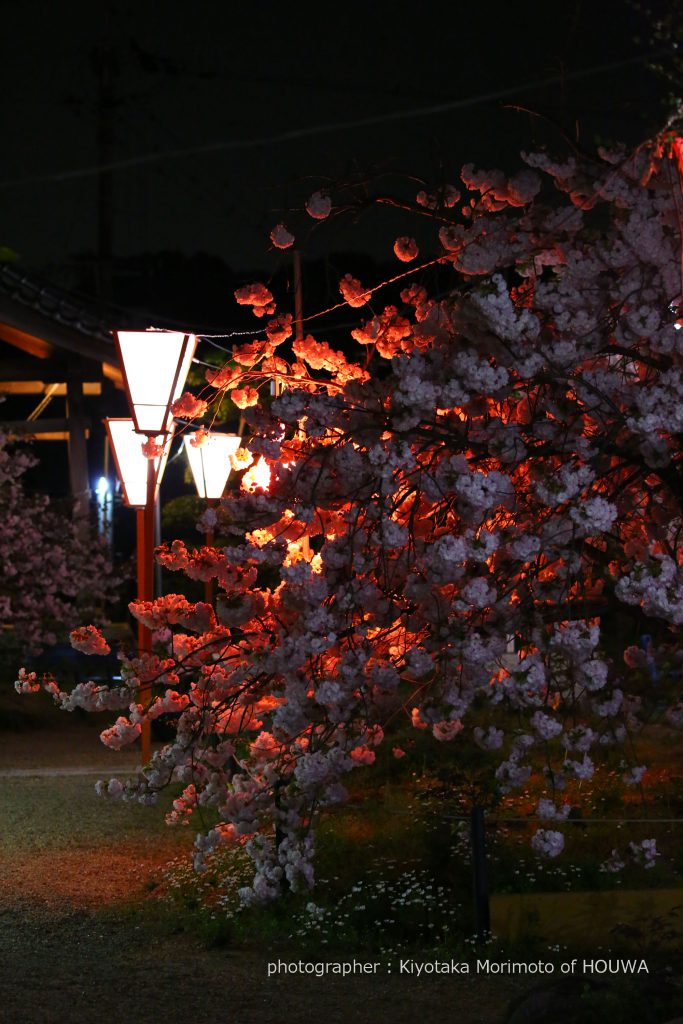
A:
(154, 365)
(210, 464)
(140, 479)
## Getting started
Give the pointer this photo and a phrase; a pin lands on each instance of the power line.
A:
(328, 128)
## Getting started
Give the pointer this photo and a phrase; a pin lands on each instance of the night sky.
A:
(87, 82)
(183, 77)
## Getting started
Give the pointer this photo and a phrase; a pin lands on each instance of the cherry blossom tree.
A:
(52, 574)
(491, 491)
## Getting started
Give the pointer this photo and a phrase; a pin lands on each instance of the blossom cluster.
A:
(53, 571)
(490, 495)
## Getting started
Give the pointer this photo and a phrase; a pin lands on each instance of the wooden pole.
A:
(145, 538)
(208, 586)
(299, 333)
(298, 298)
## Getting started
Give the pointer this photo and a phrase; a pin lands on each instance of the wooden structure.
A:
(52, 345)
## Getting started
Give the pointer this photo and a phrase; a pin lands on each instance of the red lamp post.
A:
(140, 479)
(155, 365)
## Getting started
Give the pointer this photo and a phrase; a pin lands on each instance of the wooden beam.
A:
(113, 373)
(26, 342)
(22, 387)
(55, 435)
(38, 387)
(30, 429)
(32, 324)
(52, 371)
(43, 403)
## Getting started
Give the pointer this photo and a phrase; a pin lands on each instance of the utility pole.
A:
(105, 66)
(106, 69)
(299, 334)
(298, 298)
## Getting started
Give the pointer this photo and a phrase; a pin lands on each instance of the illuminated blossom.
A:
(188, 406)
(89, 640)
(199, 439)
(279, 328)
(406, 249)
(446, 730)
(547, 843)
(318, 206)
(257, 477)
(281, 237)
(26, 682)
(53, 572)
(242, 458)
(352, 290)
(119, 735)
(635, 775)
(546, 810)
(484, 486)
(644, 853)
(424, 199)
(244, 397)
(258, 297)
(152, 449)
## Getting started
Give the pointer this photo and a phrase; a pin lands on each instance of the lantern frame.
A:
(138, 370)
(120, 459)
(219, 446)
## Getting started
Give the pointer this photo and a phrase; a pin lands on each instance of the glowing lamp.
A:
(131, 464)
(155, 365)
(257, 477)
(210, 463)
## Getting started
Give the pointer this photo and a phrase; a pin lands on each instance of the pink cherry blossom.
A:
(436, 524)
(89, 640)
(319, 205)
(406, 249)
(281, 237)
(189, 406)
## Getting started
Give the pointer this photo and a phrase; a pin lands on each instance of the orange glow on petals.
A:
(258, 477)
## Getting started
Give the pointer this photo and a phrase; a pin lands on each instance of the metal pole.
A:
(482, 913)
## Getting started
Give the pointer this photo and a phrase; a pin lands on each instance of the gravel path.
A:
(81, 939)
(75, 967)
(63, 742)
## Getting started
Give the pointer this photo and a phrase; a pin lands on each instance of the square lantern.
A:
(155, 366)
(210, 462)
(131, 464)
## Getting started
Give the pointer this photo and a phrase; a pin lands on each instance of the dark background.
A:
(86, 83)
(149, 148)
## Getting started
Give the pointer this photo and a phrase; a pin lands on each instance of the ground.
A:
(82, 938)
